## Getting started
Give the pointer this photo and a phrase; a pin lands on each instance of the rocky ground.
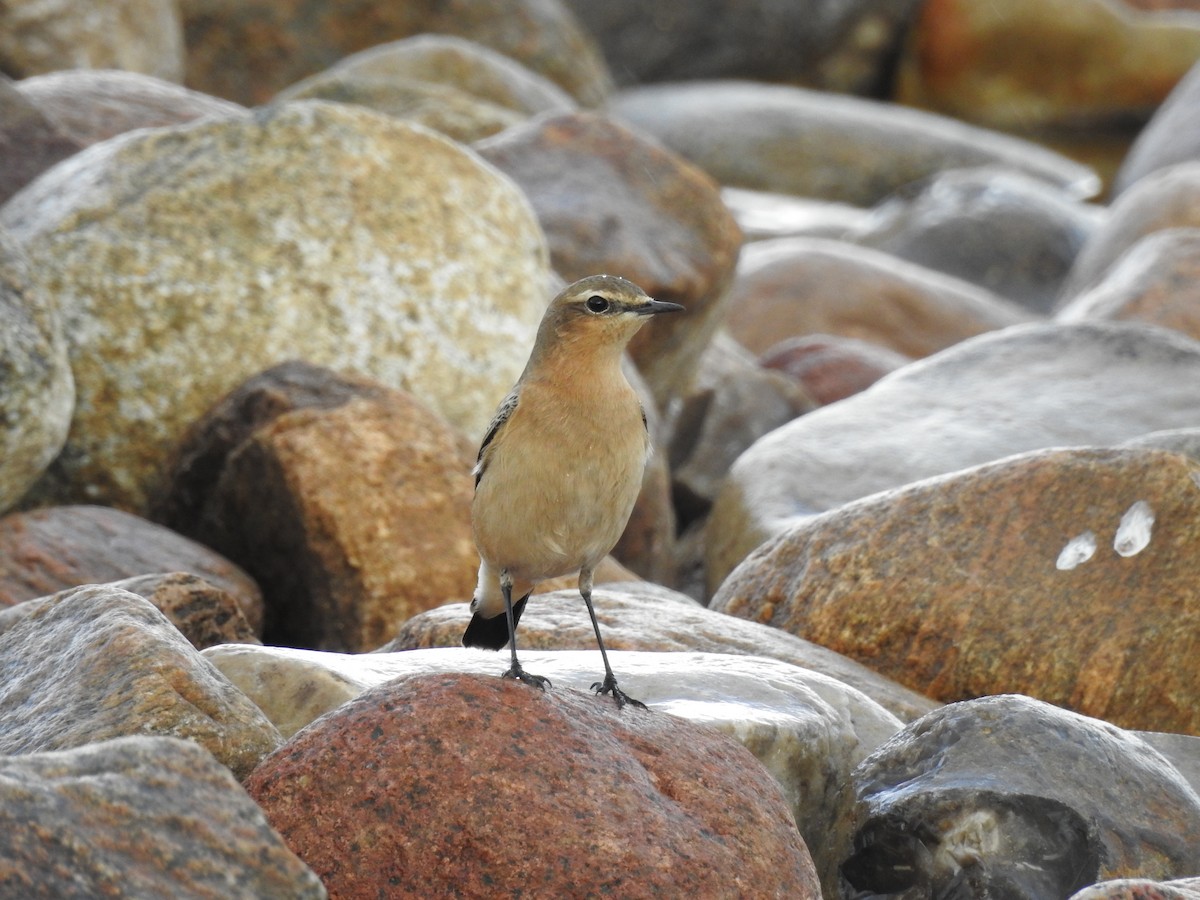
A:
(911, 591)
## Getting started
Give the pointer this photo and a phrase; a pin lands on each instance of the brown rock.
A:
(800, 286)
(90, 106)
(1156, 281)
(203, 613)
(30, 141)
(648, 617)
(831, 368)
(99, 662)
(49, 550)
(447, 783)
(248, 50)
(1141, 889)
(1059, 574)
(609, 200)
(348, 501)
(138, 817)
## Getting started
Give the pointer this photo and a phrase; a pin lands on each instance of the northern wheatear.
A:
(561, 464)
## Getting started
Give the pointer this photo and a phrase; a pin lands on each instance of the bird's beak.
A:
(653, 307)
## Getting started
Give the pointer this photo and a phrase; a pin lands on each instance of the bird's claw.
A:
(609, 686)
(521, 675)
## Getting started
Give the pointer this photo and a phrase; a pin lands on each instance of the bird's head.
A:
(599, 310)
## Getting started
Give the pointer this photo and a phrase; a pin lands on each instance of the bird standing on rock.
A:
(561, 464)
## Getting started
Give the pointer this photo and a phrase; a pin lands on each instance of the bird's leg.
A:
(609, 684)
(515, 670)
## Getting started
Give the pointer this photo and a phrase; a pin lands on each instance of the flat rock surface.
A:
(443, 783)
(1062, 574)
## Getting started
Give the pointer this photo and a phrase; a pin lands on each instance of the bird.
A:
(561, 464)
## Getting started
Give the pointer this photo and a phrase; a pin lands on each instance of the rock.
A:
(44, 551)
(793, 287)
(809, 731)
(1168, 198)
(1017, 390)
(732, 402)
(845, 47)
(1171, 136)
(831, 368)
(648, 617)
(89, 106)
(1156, 281)
(611, 201)
(37, 391)
(247, 50)
(221, 270)
(39, 36)
(1181, 750)
(952, 803)
(454, 86)
(762, 215)
(794, 141)
(30, 142)
(139, 817)
(1141, 889)
(203, 613)
(983, 581)
(1177, 440)
(634, 802)
(349, 502)
(999, 229)
(99, 662)
(1030, 64)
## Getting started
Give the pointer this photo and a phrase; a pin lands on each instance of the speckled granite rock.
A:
(829, 146)
(44, 551)
(138, 817)
(436, 287)
(37, 390)
(99, 662)
(1009, 797)
(446, 782)
(1059, 573)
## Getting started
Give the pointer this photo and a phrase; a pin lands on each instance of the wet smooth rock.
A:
(99, 662)
(423, 267)
(38, 36)
(644, 616)
(1171, 136)
(455, 86)
(37, 390)
(248, 50)
(30, 142)
(90, 105)
(1058, 573)
(1168, 198)
(1156, 281)
(1142, 889)
(831, 368)
(204, 613)
(828, 146)
(1028, 64)
(844, 47)
(610, 200)
(808, 730)
(349, 502)
(443, 783)
(138, 817)
(793, 287)
(45, 551)
(1013, 391)
(952, 803)
(999, 229)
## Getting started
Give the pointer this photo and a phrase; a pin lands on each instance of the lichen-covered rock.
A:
(201, 254)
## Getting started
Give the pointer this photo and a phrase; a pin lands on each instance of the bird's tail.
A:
(492, 634)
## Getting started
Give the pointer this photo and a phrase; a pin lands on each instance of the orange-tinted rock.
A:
(831, 368)
(612, 201)
(1062, 574)
(484, 786)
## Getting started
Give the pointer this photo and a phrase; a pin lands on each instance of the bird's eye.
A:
(597, 304)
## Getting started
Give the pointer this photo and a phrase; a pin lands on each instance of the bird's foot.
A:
(537, 681)
(609, 686)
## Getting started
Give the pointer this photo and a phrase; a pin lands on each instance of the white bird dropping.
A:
(1079, 550)
(1133, 534)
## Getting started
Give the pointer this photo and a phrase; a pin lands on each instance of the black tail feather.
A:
(492, 634)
